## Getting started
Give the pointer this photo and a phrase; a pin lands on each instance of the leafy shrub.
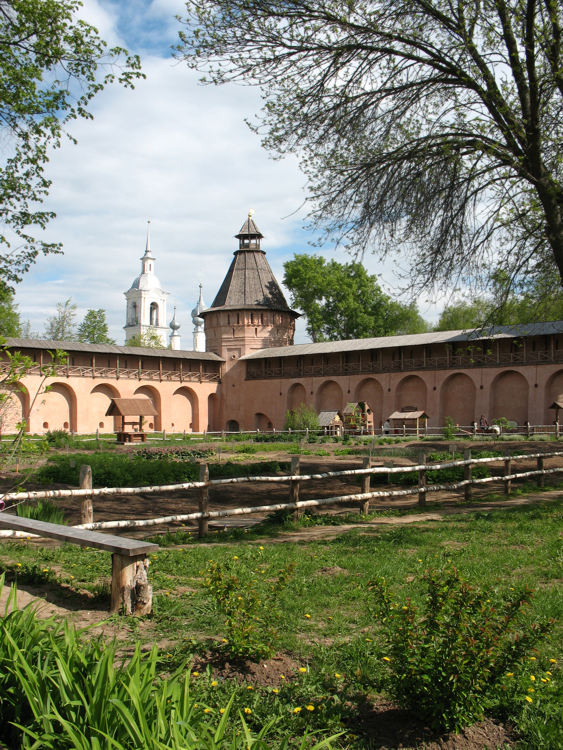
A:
(42, 510)
(447, 657)
(449, 429)
(250, 605)
(58, 438)
(303, 417)
(173, 453)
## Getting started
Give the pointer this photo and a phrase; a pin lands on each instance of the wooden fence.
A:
(295, 480)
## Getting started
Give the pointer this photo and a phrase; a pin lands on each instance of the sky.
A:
(176, 152)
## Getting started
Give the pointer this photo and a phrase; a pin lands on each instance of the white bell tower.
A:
(146, 301)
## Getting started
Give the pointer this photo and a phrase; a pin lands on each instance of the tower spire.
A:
(148, 244)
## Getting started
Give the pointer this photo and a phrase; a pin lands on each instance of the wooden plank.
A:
(84, 538)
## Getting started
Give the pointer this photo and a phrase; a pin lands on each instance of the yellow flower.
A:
(532, 678)
(297, 710)
(404, 607)
(368, 640)
(548, 672)
(302, 669)
(260, 547)
(531, 690)
(553, 661)
(386, 658)
(214, 683)
(18, 565)
(235, 557)
(207, 710)
(310, 707)
(195, 674)
(419, 560)
(330, 618)
(532, 658)
(45, 570)
(275, 690)
(221, 710)
(337, 674)
(247, 710)
(249, 687)
(224, 640)
(308, 617)
(543, 679)
(282, 677)
(527, 697)
(510, 674)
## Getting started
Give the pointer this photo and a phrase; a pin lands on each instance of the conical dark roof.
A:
(250, 281)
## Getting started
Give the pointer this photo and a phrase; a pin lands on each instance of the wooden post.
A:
(87, 508)
(294, 485)
(366, 482)
(467, 474)
(131, 592)
(203, 500)
(507, 470)
(422, 480)
(541, 477)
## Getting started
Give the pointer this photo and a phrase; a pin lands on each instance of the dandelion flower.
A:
(282, 677)
(310, 707)
(260, 548)
(386, 658)
(247, 710)
(249, 687)
(368, 640)
(510, 674)
(548, 672)
(404, 607)
(221, 710)
(308, 616)
(337, 674)
(207, 710)
(543, 679)
(531, 690)
(528, 699)
(532, 658)
(18, 565)
(214, 683)
(195, 674)
(235, 557)
(297, 710)
(302, 669)
(532, 678)
(553, 661)
(275, 690)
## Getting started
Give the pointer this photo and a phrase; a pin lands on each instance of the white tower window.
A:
(154, 314)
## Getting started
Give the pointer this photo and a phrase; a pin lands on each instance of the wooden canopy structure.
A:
(331, 422)
(358, 417)
(408, 419)
(131, 407)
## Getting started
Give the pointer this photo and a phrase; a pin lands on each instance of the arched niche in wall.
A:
(329, 397)
(371, 391)
(57, 408)
(509, 397)
(232, 425)
(411, 391)
(15, 408)
(151, 393)
(185, 410)
(553, 390)
(212, 412)
(457, 399)
(100, 399)
(296, 395)
(262, 422)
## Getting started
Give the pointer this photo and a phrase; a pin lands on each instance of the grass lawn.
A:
(328, 633)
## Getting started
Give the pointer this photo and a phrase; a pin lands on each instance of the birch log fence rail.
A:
(294, 480)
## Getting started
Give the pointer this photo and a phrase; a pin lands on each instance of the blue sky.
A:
(179, 153)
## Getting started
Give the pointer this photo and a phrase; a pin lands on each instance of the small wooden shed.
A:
(557, 405)
(408, 419)
(131, 407)
(331, 422)
(358, 417)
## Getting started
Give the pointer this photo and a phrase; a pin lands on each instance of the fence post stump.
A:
(422, 480)
(86, 508)
(467, 475)
(131, 592)
(294, 485)
(541, 477)
(507, 470)
(366, 481)
(203, 523)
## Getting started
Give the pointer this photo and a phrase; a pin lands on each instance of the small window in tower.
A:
(154, 314)
(238, 318)
(256, 331)
(251, 318)
(262, 318)
(228, 319)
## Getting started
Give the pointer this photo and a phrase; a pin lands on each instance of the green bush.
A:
(303, 417)
(249, 603)
(42, 510)
(58, 438)
(447, 658)
(449, 429)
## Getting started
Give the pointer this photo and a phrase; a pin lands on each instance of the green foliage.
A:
(61, 327)
(172, 453)
(249, 602)
(503, 423)
(342, 301)
(50, 72)
(58, 438)
(42, 510)
(132, 470)
(303, 417)
(149, 339)
(449, 429)
(10, 323)
(58, 692)
(94, 328)
(447, 657)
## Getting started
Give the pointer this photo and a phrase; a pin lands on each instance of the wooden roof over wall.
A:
(131, 407)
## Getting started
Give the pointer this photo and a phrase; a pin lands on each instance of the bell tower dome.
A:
(250, 311)
(146, 301)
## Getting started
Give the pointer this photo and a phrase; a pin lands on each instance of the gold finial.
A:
(251, 213)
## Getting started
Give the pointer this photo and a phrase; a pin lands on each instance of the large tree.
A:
(61, 326)
(428, 126)
(94, 328)
(52, 63)
(10, 323)
(342, 301)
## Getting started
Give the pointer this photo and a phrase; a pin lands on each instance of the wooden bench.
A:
(131, 592)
